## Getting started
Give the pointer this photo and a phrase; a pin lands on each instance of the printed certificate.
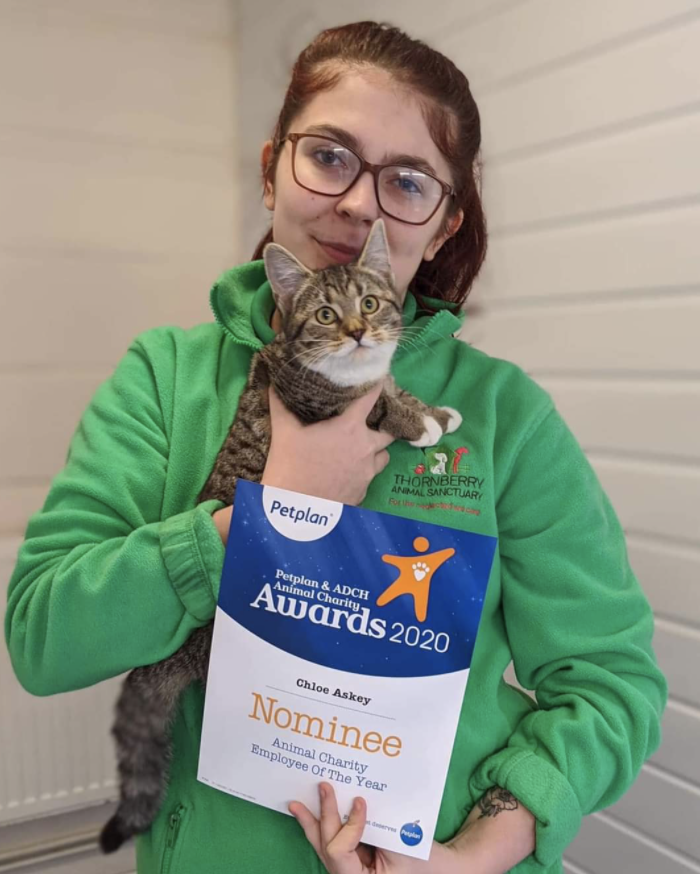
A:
(341, 650)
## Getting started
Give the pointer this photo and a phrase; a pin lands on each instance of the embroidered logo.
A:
(442, 460)
(441, 472)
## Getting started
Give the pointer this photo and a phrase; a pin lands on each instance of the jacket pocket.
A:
(172, 838)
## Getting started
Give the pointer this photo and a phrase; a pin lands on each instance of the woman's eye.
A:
(408, 185)
(327, 157)
(370, 304)
(326, 316)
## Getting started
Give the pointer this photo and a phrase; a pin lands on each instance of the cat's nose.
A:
(357, 335)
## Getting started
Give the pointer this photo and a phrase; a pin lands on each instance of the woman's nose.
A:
(360, 201)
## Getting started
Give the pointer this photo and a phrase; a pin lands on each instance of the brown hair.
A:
(452, 118)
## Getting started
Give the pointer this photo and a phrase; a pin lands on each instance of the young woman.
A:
(120, 566)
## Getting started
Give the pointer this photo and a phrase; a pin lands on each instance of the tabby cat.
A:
(340, 327)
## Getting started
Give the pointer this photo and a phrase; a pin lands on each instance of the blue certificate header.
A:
(354, 589)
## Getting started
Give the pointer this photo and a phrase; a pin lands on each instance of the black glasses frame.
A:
(374, 169)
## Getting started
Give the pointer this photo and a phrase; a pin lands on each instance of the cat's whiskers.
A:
(289, 361)
(419, 347)
(406, 338)
(319, 356)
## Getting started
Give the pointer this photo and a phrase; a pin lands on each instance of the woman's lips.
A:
(337, 252)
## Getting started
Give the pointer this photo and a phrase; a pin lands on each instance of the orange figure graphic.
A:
(415, 576)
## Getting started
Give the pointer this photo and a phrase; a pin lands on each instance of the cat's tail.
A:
(144, 713)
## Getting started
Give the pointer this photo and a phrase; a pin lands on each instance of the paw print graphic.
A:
(420, 569)
(414, 576)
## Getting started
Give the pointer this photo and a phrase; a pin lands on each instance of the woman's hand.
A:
(482, 846)
(338, 846)
(335, 459)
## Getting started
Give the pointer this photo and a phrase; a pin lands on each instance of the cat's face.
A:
(345, 321)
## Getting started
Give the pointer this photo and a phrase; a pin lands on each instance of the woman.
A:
(119, 567)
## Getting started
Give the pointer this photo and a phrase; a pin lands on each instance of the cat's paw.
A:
(431, 435)
(455, 419)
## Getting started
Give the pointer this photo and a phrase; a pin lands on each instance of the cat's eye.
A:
(326, 316)
(369, 304)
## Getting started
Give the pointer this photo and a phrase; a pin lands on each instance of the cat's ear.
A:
(375, 255)
(285, 272)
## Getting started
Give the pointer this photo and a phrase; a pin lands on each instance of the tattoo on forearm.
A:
(495, 801)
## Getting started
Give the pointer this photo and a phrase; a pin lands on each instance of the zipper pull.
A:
(174, 826)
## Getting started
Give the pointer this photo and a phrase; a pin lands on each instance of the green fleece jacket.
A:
(119, 566)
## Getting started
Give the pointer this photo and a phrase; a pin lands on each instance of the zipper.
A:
(174, 822)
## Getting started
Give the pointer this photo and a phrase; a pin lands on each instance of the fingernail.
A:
(321, 790)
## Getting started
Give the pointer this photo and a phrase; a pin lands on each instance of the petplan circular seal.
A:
(300, 517)
(411, 834)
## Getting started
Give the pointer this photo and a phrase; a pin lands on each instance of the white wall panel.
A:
(159, 85)
(86, 195)
(664, 808)
(624, 406)
(652, 497)
(19, 499)
(523, 46)
(681, 730)
(42, 413)
(609, 89)
(606, 846)
(206, 20)
(653, 168)
(82, 306)
(653, 337)
(626, 256)
(118, 211)
(676, 648)
(670, 575)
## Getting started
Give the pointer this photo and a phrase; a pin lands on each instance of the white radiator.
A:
(56, 753)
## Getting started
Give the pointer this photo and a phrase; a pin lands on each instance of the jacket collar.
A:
(242, 303)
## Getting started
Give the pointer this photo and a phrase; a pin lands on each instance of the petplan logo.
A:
(411, 833)
(300, 517)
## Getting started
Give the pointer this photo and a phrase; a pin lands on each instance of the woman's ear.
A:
(268, 188)
(453, 225)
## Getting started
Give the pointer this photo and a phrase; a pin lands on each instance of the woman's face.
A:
(385, 120)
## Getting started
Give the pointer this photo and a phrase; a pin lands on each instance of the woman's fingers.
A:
(348, 838)
(337, 845)
(362, 406)
(330, 818)
(309, 823)
(381, 459)
(382, 439)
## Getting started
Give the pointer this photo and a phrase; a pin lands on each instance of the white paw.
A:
(420, 569)
(455, 419)
(431, 435)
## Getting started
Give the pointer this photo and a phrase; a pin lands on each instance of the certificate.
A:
(342, 645)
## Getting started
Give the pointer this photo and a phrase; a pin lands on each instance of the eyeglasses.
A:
(324, 166)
